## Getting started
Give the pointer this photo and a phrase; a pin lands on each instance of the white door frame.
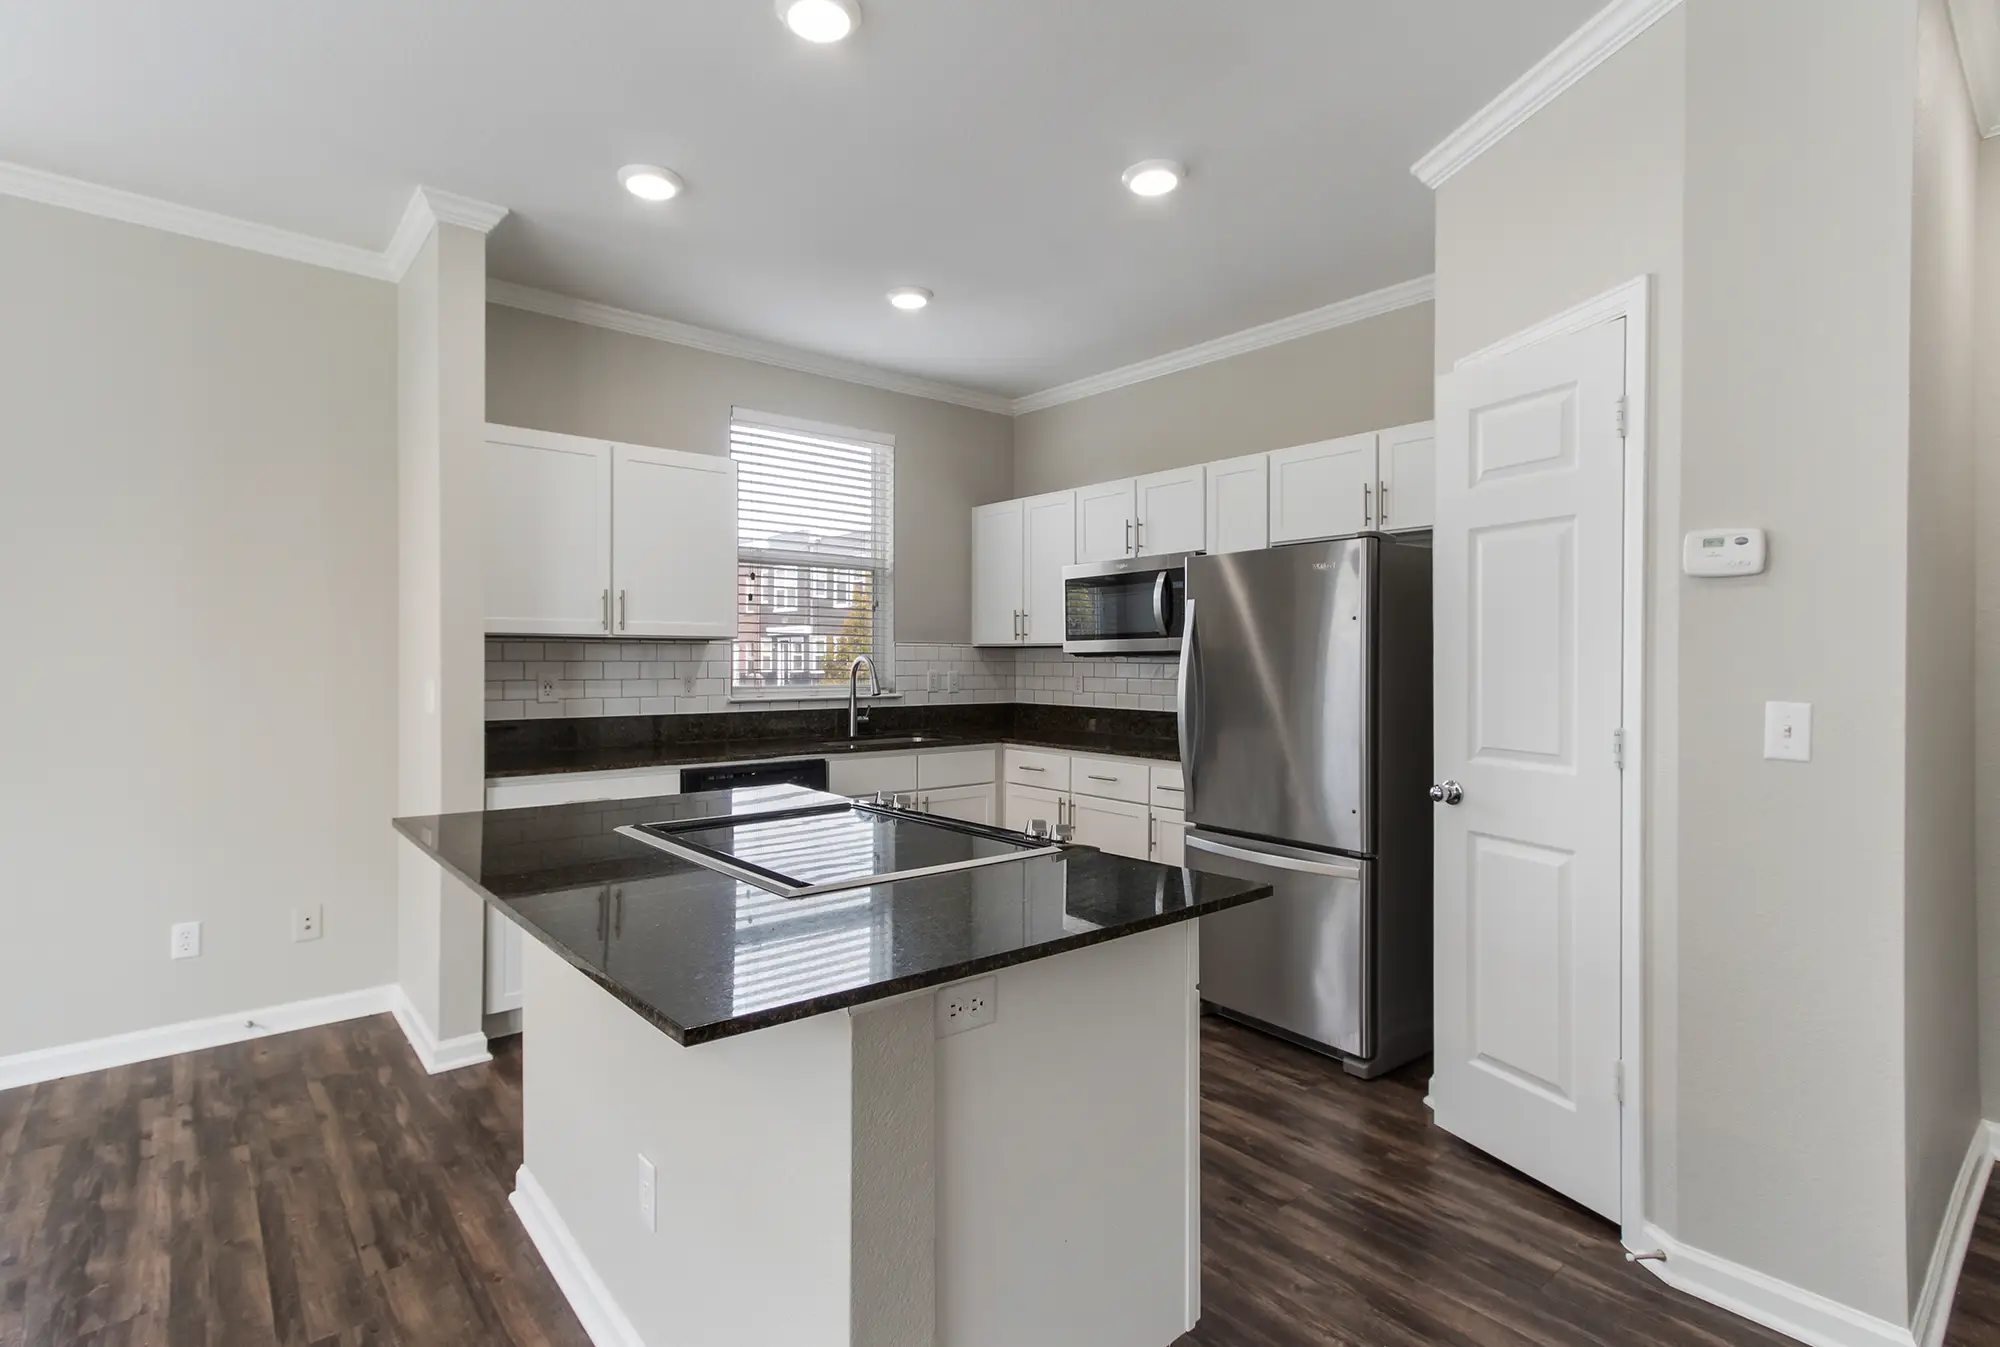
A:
(1631, 301)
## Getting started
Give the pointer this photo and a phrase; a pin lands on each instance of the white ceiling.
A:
(970, 146)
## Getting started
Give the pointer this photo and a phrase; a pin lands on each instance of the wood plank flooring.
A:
(319, 1190)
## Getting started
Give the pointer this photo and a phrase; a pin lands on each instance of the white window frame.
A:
(884, 644)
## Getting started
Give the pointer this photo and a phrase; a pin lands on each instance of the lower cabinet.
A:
(1115, 826)
(872, 773)
(1024, 805)
(969, 804)
(1169, 837)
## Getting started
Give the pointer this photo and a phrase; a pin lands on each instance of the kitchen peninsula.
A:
(754, 1112)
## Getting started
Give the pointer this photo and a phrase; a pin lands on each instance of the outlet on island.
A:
(966, 1005)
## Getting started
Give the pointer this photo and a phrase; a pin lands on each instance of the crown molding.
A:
(1577, 55)
(1370, 305)
(52, 189)
(1976, 24)
(553, 305)
(430, 207)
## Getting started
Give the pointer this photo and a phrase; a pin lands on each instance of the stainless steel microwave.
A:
(1131, 606)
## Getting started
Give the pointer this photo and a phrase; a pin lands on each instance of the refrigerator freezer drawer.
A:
(1298, 960)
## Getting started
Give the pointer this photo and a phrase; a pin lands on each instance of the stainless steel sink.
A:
(868, 741)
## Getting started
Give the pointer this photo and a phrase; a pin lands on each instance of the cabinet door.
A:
(1115, 826)
(1021, 804)
(673, 534)
(972, 804)
(1239, 504)
(1323, 490)
(1408, 496)
(1169, 837)
(1172, 512)
(503, 964)
(996, 573)
(545, 534)
(1106, 519)
(872, 773)
(1050, 527)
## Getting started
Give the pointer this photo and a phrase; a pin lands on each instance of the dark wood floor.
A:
(317, 1188)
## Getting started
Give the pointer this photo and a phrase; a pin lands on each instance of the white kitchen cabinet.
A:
(972, 804)
(941, 768)
(1172, 511)
(1238, 498)
(1107, 517)
(998, 573)
(1109, 778)
(503, 964)
(1115, 826)
(545, 542)
(1021, 805)
(1406, 492)
(871, 774)
(1169, 837)
(1168, 790)
(1323, 490)
(673, 544)
(1049, 544)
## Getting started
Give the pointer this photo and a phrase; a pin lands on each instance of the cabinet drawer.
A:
(959, 767)
(1109, 778)
(1032, 767)
(523, 792)
(868, 773)
(1168, 790)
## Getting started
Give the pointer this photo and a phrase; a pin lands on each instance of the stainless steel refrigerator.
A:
(1305, 724)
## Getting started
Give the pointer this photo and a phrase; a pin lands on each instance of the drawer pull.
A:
(1028, 767)
(1092, 776)
(1175, 789)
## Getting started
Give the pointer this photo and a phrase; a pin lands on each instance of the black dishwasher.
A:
(808, 772)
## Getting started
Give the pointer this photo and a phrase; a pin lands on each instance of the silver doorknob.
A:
(1447, 792)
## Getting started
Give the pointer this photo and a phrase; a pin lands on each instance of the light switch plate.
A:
(1788, 731)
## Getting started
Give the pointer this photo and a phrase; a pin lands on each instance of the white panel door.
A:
(1107, 519)
(1169, 837)
(1239, 504)
(996, 573)
(1021, 805)
(1406, 497)
(972, 804)
(1528, 612)
(546, 534)
(1172, 512)
(1115, 826)
(1323, 490)
(673, 534)
(1049, 524)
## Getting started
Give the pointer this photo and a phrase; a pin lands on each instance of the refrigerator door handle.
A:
(1332, 869)
(1185, 709)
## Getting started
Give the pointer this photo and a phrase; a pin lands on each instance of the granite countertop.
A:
(751, 750)
(703, 956)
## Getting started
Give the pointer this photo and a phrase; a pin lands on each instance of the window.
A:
(813, 530)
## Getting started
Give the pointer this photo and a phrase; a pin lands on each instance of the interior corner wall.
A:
(1986, 621)
(570, 378)
(1942, 1104)
(198, 536)
(1361, 376)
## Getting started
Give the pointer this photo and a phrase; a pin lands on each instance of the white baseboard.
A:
(1927, 1325)
(145, 1045)
(437, 1055)
(587, 1295)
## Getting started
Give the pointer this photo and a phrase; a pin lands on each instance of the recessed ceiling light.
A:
(909, 297)
(650, 182)
(820, 20)
(1154, 177)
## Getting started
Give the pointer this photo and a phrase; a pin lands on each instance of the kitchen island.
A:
(753, 1112)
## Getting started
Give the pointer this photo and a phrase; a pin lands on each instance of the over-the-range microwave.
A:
(1131, 606)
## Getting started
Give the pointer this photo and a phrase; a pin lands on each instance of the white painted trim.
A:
(1578, 54)
(1376, 302)
(52, 189)
(1976, 23)
(586, 1292)
(169, 1040)
(1791, 1310)
(799, 424)
(430, 207)
(435, 1055)
(743, 348)
(1632, 302)
(1954, 1237)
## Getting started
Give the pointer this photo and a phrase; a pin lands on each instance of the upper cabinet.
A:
(1323, 490)
(997, 574)
(1171, 512)
(588, 538)
(1019, 549)
(1406, 497)
(1107, 517)
(1239, 504)
(1049, 528)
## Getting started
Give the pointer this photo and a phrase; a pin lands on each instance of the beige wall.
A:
(550, 374)
(199, 537)
(1364, 376)
(1940, 953)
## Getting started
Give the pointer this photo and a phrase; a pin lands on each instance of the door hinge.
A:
(1618, 749)
(1618, 415)
(1618, 1079)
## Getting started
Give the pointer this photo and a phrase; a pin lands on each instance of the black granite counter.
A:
(704, 956)
(605, 743)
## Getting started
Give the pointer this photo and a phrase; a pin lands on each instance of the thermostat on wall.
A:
(1723, 552)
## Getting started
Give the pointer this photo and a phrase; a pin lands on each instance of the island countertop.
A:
(704, 956)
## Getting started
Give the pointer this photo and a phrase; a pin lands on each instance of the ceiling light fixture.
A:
(1154, 177)
(820, 20)
(650, 182)
(909, 298)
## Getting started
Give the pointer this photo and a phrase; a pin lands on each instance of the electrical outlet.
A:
(968, 1005)
(649, 1193)
(185, 940)
(687, 684)
(306, 922)
(1079, 680)
(934, 681)
(545, 690)
(951, 681)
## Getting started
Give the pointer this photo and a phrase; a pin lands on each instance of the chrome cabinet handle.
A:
(1367, 516)
(1382, 501)
(1152, 834)
(1175, 789)
(1028, 767)
(1092, 776)
(1128, 539)
(1447, 792)
(618, 912)
(606, 601)
(621, 610)
(924, 805)
(1138, 537)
